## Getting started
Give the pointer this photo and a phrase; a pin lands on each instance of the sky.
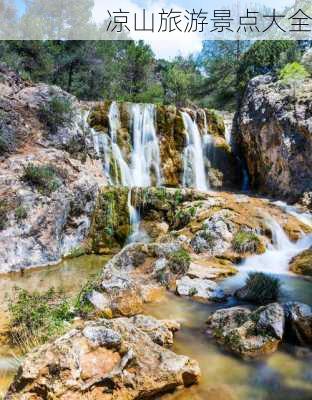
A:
(164, 45)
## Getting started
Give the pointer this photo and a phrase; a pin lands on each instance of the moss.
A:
(247, 242)
(98, 118)
(111, 221)
(76, 252)
(302, 263)
(215, 123)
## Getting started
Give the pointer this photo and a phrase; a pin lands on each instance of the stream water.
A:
(285, 375)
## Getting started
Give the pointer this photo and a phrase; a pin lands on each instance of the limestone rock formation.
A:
(48, 214)
(246, 333)
(105, 359)
(275, 135)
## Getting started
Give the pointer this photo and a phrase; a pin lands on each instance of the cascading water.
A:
(279, 253)
(193, 158)
(143, 167)
(145, 159)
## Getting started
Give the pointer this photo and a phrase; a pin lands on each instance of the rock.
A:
(104, 359)
(99, 300)
(160, 331)
(275, 137)
(199, 288)
(299, 322)
(102, 336)
(210, 270)
(216, 235)
(246, 333)
(302, 263)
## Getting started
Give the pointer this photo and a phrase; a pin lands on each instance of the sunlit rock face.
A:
(275, 134)
(123, 358)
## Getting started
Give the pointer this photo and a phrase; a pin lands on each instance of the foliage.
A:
(38, 315)
(76, 252)
(4, 209)
(179, 261)
(82, 304)
(44, 177)
(246, 242)
(261, 288)
(57, 112)
(20, 213)
(293, 72)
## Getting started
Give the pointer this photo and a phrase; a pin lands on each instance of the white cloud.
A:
(164, 44)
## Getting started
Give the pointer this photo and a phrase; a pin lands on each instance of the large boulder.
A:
(247, 333)
(275, 125)
(299, 322)
(104, 359)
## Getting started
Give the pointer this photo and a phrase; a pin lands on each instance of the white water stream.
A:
(194, 174)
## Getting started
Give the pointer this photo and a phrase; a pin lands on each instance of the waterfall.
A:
(142, 167)
(145, 159)
(279, 253)
(193, 157)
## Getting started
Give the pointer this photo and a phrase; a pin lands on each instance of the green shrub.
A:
(292, 72)
(38, 316)
(179, 261)
(57, 112)
(260, 288)
(246, 242)
(82, 304)
(44, 177)
(20, 213)
(4, 209)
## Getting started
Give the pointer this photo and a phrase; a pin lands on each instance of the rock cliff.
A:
(275, 136)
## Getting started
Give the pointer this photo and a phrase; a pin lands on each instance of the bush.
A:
(4, 209)
(292, 72)
(76, 252)
(82, 304)
(246, 242)
(43, 177)
(57, 112)
(260, 288)
(35, 317)
(20, 213)
(179, 261)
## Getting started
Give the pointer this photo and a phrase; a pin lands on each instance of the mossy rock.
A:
(98, 118)
(215, 123)
(247, 242)
(111, 221)
(302, 263)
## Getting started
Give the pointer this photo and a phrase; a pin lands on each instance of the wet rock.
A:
(299, 322)
(302, 263)
(246, 333)
(275, 136)
(200, 288)
(104, 359)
